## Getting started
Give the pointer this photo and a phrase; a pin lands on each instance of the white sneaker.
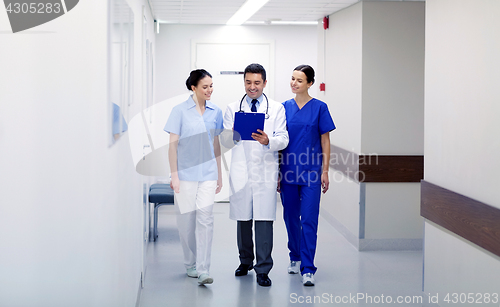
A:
(308, 279)
(294, 267)
(205, 279)
(191, 272)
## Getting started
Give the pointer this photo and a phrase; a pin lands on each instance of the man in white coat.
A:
(253, 175)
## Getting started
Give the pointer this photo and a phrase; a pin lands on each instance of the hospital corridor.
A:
(345, 276)
(143, 143)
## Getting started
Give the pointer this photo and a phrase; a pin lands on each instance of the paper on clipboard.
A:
(246, 124)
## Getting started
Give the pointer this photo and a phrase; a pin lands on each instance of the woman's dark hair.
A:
(255, 69)
(308, 71)
(195, 76)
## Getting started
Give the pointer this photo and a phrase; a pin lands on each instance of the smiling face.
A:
(254, 85)
(203, 91)
(299, 82)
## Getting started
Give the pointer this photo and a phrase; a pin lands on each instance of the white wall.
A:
(342, 203)
(339, 61)
(393, 211)
(461, 133)
(393, 115)
(393, 78)
(372, 61)
(71, 223)
(374, 75)
(462, 98)
(294, 45)
(454, 265)
(341, 69)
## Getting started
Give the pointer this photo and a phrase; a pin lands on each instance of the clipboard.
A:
(246, 124)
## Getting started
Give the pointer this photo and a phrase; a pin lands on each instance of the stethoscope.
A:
(267, 108)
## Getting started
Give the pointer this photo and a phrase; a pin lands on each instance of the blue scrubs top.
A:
(301, 161)
(195, 151)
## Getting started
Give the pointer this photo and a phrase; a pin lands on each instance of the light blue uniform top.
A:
(195, 152)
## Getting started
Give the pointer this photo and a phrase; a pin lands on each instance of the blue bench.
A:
(159, 194)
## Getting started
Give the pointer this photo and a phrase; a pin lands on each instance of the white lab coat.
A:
(254, 168)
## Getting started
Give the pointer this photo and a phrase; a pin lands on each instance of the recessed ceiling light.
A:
(246, 11)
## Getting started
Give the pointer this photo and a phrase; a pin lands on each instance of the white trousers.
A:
(195, 222)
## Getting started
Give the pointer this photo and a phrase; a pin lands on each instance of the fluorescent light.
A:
(246, 11)
(255, 23)
(169, 21)
(298, 23)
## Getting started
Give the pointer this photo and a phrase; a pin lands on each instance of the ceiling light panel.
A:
(195, 11)
(219, 11)
(300, 10)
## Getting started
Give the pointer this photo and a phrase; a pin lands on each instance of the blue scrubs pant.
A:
(301, 212)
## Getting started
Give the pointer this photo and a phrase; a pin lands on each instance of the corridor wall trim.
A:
(474, 221)
(344, 161)
(377, 168)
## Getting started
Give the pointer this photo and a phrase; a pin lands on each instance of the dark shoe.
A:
(263, 280)
(243, 269)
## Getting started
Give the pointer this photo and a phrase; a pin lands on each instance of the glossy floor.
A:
(345, 277)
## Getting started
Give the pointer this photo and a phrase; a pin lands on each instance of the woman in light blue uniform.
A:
(304, 171)
(195, 165)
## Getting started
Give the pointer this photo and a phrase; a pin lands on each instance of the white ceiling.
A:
(219, 11)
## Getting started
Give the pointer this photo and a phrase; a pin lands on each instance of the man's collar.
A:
(249, 100)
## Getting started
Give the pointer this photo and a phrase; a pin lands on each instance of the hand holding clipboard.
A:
(246, 124)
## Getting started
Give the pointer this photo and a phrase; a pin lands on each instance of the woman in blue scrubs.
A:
(304, 171)
(195, 165)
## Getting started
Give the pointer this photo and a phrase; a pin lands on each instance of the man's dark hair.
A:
(255, 69)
